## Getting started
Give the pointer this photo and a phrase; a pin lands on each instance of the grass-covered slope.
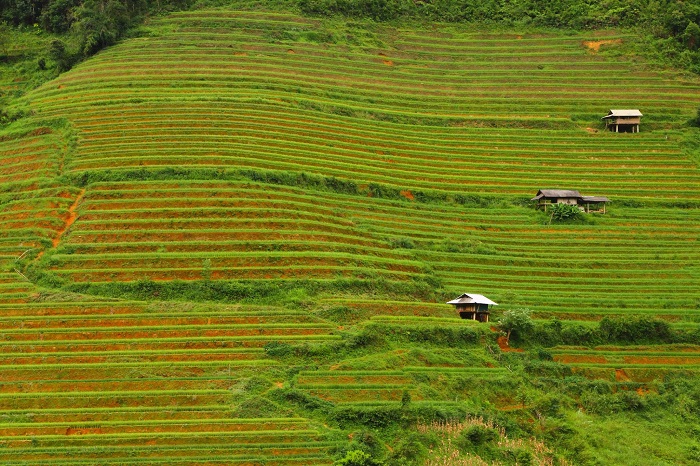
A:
(344, 179)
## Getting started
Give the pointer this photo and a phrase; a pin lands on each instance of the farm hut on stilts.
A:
(623, 121)
(473, 306)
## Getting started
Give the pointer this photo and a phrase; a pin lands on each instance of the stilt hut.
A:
(473, 306)
(623, 121)
(594, 203)
(546, 197)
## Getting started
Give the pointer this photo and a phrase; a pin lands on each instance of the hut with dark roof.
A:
(625, 121)
(547, 197)
(594, 203)
(473, 306)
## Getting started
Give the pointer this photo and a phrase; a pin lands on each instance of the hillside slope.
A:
(342, 180)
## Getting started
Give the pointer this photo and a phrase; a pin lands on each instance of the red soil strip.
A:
(621, 375)
(580, 358)
(72, 216)
(594, 45)
(408, 195)
(504, 345)
(671, 360)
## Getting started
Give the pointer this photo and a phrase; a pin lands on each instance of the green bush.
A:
(515, 322)
(635, 330)
(477, 435)
(357, 458)
(409, 451)
(565, 212)
(695, 121)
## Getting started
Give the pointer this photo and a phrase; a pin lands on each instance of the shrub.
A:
(565, 212)
(635, 330)
(477, 435)
(696, 120)
(515, 320)
(357, 458)
(409, 451)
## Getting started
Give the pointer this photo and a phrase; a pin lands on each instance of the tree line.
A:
(86, 26)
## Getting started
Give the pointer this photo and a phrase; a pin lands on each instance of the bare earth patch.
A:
(594, 45)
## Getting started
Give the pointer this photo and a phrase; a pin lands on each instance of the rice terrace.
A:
(345, 232)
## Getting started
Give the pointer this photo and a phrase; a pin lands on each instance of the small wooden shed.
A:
(626, 121)
(547, 197)
(473, 306)
(594, 203)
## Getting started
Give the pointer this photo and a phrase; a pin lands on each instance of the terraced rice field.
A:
(115, 382)
(242, 230)
(446, 109)
(87, 380)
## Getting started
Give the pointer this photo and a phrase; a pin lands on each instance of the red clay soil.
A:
(504, 345)
(621, 376)
(72, 216)
(594, 45)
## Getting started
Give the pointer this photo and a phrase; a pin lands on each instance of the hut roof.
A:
(558, 193)
(472, 298)
(595, 199)
(633, 112)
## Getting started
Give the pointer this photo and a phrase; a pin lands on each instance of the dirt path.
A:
(72, 216)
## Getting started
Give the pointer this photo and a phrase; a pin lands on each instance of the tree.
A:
(58, 53)
(691, 36)
(99, 23)
(515, 320)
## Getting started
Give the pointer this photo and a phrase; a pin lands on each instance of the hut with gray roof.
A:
(623, 121)
(473, 306)
(547, 197)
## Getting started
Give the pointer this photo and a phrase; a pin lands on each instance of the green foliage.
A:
(613, 403)
(99, 23)
(564, 212)
(86, 26)
(439, 335)
(409, 451)
(395, 415)
(261, 291)
(357, 458)
(635, 330)
(475, 436)
(278, 349)
(515, 322)
(302, 400)
(672, 24)
(695, 121)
